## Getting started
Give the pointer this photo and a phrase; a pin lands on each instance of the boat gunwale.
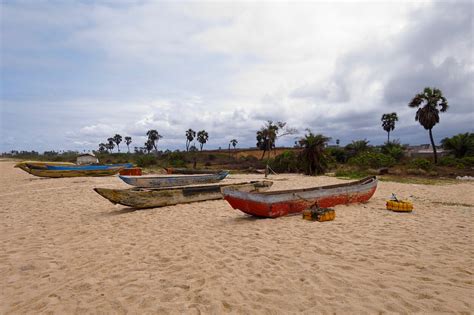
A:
(167, 176)
(364, 181)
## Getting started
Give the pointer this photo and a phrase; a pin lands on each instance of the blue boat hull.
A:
(87, 167)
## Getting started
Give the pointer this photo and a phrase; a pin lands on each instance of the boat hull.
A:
(277, 204)
(140, 198)
(87, 167)
(172, 181)
(60, 174)
(38, 164)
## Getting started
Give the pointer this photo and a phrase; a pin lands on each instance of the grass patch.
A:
(417, 180)
(351, 174)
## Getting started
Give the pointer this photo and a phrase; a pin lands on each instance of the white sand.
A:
(65, 249)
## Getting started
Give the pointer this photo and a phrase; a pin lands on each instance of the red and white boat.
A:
(274, 204)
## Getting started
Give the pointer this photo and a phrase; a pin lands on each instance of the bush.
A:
(338, 154)
(372, 159)
(285, 162)
(468, 161)
(451, 161)
(146, 160)
(422, 164)
(394, 149)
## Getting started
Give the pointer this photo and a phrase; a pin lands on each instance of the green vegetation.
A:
(428, 114)
(388, 123)
(460, 145)
(420, 163)
(368, 159)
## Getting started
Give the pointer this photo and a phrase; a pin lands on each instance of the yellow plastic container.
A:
(399, 205)
(320, 215)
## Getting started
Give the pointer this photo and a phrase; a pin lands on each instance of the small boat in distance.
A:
(141, 198)
(161, 181)
(71, 173)
(91, 167)
(23, 165)
(280, 203)
(65, 169)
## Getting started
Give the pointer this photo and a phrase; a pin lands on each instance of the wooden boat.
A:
(23, 165)
(162, 181)
(87, 167)
(172, 170)
(280, 203)
(71, 173)
(150, 198)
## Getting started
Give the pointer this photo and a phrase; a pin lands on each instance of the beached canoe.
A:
(162, 181)
(280, 203)
(150, 198)
(87, 167)
(72, 173)
(23, 165)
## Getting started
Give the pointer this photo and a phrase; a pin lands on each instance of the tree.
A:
(313, 158)
(202, 137)
(117, 139)
(153, 138)
(269, 133)
(128, 140)
(428, 113)
(149, 144)
(460, 145)
(190, 134)
(388, 123)
(337, 142)
(234, 142)
(102, 147)
(110, 144)
(357, 147)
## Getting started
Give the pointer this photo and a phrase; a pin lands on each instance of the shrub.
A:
(460, 145)
(146, 160)
(394, 149)
(468, 161)
(450, 161)
(422, 164)
(372, 159)
(338, 154)
(285, 162)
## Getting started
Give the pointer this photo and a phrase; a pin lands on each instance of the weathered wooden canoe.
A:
(59, 173)
(162, 181)
(150, 198)
(23, 165)
(87, 167)
(280, 203)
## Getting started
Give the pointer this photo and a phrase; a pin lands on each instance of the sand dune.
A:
(65, 249)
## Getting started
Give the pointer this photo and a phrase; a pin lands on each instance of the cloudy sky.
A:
(74, 73)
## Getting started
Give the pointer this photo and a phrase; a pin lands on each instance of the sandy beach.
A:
(65, 249)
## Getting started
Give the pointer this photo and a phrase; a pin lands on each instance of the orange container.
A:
(134, 171)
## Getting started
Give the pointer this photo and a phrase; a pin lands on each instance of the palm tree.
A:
(110, 144)
(202, 137)
(388, 123)
(149, 145)
(128, 140)
(102, 147)
(313, 157)
(117, 139)
(460, 145)
(268, 134)
(337, 142)
(153, 138)
(428, 114)
(234, 142)
(190, 134)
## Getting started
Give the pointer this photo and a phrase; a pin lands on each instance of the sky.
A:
(74, 73)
